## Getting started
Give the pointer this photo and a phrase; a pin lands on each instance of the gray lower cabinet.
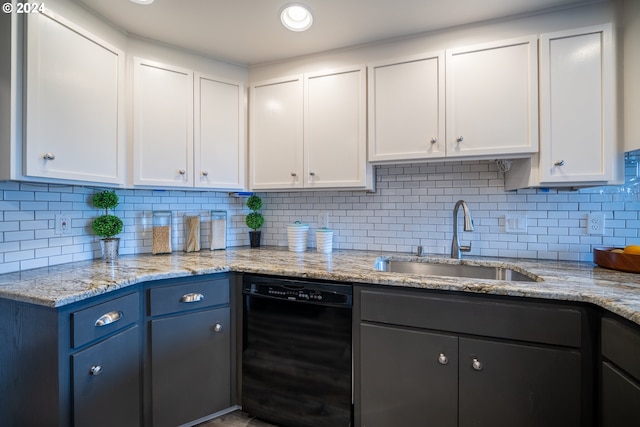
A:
(620, 373)
(437, 360)
(190, 350)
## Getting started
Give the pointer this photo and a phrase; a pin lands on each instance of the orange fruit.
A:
(632, 249)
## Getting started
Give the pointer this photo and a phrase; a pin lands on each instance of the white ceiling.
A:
(248, 32)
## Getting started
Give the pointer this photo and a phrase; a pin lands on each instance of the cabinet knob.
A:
(433, 140)
(442, 359)
(218, 327)
(460, 139)
(476, 364)
(312, 174)
(95, 370)
(559, 163)
(205, 173)
(191, 297)
(108, 318)
(49, 156)
(182, 171)
(294, 174)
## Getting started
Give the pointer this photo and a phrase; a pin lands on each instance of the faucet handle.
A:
(466, 248)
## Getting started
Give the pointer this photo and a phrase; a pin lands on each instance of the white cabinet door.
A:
(578, 141)
(406, 109)
(276, 141)
(492, 101)
(219, 136)
(162, 125)
(335, 145)
(74, 103)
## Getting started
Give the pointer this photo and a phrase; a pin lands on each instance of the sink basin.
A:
(452, 270)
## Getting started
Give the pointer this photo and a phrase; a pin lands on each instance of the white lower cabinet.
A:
(492, 99)
(74, 121)
(179, 143)
(579, 144)
(309, 131)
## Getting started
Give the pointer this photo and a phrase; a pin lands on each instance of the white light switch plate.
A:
(515, 223)
(595, 223)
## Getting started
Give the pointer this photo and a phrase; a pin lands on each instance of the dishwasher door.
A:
(296, 358)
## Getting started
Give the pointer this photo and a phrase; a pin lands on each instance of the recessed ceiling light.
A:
(142, 1)
(296, 16)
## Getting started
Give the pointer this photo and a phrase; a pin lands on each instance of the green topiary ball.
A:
(254, 220)
(254, 203)
(105, 199)
(107, 226)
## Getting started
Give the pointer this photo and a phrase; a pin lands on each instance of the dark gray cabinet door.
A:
(620, 398)
(190, 366)
(408, 377)
(106, 382)
(506, 385)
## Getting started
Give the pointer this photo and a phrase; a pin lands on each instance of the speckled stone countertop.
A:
(569, 281)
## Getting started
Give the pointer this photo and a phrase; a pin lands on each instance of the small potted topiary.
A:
(107, 225)
(254, 220)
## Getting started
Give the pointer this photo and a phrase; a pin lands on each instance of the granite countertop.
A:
(568, 281)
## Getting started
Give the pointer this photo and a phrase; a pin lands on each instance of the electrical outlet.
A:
(63, 224)
(595, 223)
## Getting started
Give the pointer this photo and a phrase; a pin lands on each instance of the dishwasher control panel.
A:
(319, 293)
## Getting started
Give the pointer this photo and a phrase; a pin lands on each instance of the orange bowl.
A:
(616, 261)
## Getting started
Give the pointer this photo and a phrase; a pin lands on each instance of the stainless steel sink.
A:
(452, 270)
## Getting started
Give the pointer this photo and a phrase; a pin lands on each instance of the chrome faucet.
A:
(456, 249)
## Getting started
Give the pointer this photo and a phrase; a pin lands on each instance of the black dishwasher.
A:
(296, 353)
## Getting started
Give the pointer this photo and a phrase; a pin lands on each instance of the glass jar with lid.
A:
(161, 232)
(191, 232)
(218, 230)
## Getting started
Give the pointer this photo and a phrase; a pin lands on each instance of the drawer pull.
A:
(476, 364)
(192, 297)
(108, 318)
(95, 370)
(217, 328)
(442, 359)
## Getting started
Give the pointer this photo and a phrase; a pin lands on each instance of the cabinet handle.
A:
(218, 327)
(559, 163)
(433, 140)
(476, 364)
(49, 156)
(442, 359)
(108, 318)
(192, 297)
(205, 173)
(312, 174)
(182, 171)
(294, 174)
(460, 139)
(95, 370)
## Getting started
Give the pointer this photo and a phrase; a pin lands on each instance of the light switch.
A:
(515, 223)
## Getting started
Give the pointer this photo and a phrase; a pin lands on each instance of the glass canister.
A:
(218, 230)
(191, 232)
(161, 232)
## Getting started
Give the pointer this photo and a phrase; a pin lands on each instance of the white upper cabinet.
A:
(275, 136)
(219, 146)
(578, 139)
(309, 131)
(74, 122)
(162, 125)
(579, 144)
(406, 108)
(335, 129)
(492, 99)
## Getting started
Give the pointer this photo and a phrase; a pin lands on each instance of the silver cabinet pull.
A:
(312, 173)
(49, 156)
(442, 359)
(460, 139)
(205, 173)
(95, 370)
(294, 174)
(218, 327)
(191, 297)
(559, 163)
(476, 364)
(108, 318)
(182, 171)
(433, 140)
